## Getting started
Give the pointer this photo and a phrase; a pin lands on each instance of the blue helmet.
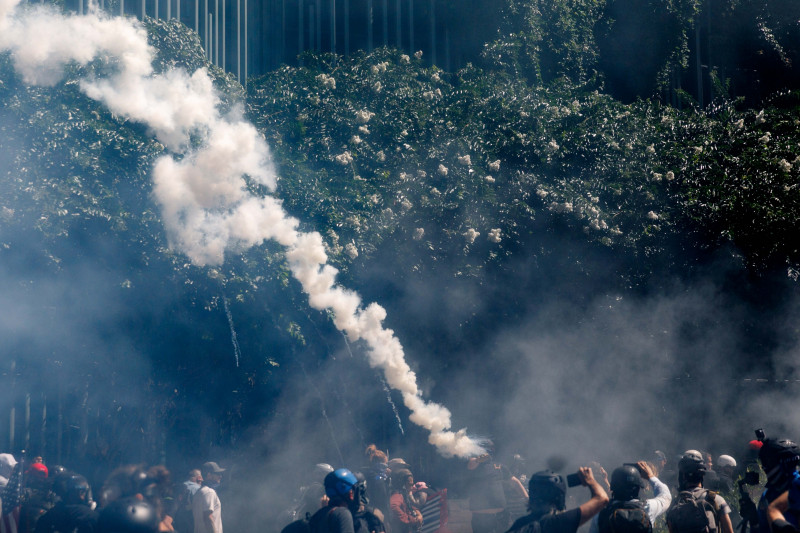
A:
(339, 482)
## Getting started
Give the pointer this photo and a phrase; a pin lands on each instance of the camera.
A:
(573, 480)
(760, 435)
(750, 478)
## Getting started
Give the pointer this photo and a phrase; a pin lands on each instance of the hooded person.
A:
(7, 464)
(547, 493)
(626, 482)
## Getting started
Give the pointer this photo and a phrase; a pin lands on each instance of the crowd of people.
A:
(35, 498)
(691, 494)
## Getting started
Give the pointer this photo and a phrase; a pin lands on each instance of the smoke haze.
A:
(205, 203)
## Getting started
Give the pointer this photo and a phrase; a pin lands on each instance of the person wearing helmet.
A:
(487, 499)
(206, 507)
(336, 517)
(626, 481)
(366, 519)
(73, 511)
(726, 470)
(682, 514)
(128, 515)
(547, 504)
(37, 497)
(779, 459)
(311, 497)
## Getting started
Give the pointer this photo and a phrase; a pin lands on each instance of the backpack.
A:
(693, 514)
(301, 525)
(624, 517)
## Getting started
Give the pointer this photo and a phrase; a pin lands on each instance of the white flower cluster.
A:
(418, 234)
(435, 77)
(765, 138)
(657, 176)
(651, 149)
(405, 204)
(363, 116)
(380, 156)
(375, 199)
(377, 87)
(652, 215)
(494, 235)
(465, 160)
(556, 207)
(489, 179)
(418, 54)
(494, 166)
(442, 170)
(598, 224)
(404, 59)
(470, 235)
(553, 146)
(380, 68)
(351, 250)
(739, 124)
(541, 193)
(760, 118)
(327, 81)
(355, 139)
(670, 175)
(422, 174)
(404, 176)
(785, 165)
(344, 159)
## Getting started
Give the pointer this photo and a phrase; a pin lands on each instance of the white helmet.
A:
(694, 454)
(726, 460)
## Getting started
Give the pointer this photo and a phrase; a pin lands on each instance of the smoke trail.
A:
(237, 352)
(202, 193)
(385, 389)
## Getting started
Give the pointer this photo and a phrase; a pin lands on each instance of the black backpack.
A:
(301, 525)
(690, 513)
(624, 517)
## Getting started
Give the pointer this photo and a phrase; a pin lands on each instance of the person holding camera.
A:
(636, 515)
(779, 459)
(547, 493)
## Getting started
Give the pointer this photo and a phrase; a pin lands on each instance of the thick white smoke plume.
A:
(204, 201)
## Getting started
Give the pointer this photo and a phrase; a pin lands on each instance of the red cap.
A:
(39, 469)
(756, 444)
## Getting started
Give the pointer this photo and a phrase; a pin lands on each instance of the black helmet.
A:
(692, 464)
(128, 515)
(776, 452)
(779, 457)
(548, 487)
(360, 491)
(691, 468)
(72, 488)
(626, 482)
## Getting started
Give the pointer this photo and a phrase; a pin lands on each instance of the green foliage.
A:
(636, 177)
